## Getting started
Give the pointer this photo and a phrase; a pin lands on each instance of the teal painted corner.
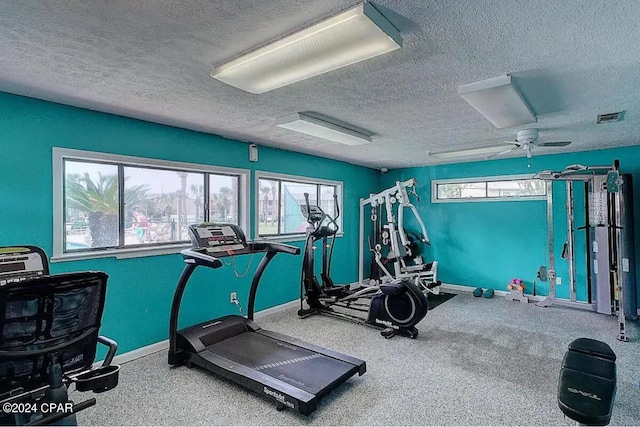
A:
(486, 244)
(140, 290)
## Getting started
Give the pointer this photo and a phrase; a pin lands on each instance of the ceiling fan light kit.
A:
(526, 139)
(530, 136)
(354, 35)
(324, 127)
(499, 101)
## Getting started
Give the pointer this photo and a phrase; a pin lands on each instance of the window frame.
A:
(486, 180)
(61, 154)
(289, 237)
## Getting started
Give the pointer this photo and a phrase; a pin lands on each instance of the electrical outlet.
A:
(558, 280)
(233, 297)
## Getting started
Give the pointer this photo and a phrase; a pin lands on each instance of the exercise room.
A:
(332, 212)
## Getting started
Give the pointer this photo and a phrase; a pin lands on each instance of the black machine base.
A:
(386, 331)
(396, 308)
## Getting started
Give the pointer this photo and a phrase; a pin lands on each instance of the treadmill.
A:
(290, 372)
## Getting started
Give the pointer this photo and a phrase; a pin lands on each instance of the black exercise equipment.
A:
(396, 306)
(285, 370)
(48, 337)
(587, 383)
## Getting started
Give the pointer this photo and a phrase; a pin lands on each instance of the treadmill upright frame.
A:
(185, 348)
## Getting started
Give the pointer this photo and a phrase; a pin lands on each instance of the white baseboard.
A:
(278, 308)
(140, 352)
(164, 345)
(463, 288)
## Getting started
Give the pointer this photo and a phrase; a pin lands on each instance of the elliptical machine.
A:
(396, 306)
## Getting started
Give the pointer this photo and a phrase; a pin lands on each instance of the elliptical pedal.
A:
(336, 291)
(389, 333)
(306, 312)
(411, 332)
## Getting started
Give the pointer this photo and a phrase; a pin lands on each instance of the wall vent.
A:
(610, 117)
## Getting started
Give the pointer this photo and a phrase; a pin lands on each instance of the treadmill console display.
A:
(217, 238)
(19, 263)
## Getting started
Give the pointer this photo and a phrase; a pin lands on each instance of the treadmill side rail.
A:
(273, 389)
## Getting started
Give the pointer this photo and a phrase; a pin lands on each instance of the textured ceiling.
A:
(150, 59)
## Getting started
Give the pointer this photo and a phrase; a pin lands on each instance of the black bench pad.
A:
(592, 347)
(587, 383)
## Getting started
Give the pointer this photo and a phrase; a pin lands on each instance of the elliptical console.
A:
(396, 306)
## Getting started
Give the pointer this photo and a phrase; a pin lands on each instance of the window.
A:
(280, 197)
(107, 203)
(519, 187)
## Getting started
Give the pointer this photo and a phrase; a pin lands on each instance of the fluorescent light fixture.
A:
(351, 36)
(478, 151)
(499, 101)
(325, 128)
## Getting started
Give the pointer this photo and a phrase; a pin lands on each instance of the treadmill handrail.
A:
(206, 256)
(199, 256)
(175, 311)
(277, 247)
(256, 281)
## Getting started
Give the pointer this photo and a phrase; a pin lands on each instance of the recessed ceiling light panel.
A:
(325, 128)
(499, 101)
(469, 152)
(351, 36)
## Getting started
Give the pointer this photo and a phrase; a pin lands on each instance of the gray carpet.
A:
(477, 361)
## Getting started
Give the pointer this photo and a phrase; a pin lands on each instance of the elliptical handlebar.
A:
(312, 219)
(315, 216)
(306, 199)
(333, 220)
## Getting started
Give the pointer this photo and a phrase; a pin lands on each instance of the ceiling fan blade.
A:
(546, 175)
(502, 153)
(552, 143)
(516, 143)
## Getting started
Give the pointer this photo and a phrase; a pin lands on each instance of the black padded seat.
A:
(415, 268)
(592, 347)
(592, 365)
(587, 383)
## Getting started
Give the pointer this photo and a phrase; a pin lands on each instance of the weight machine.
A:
(403, 252)
(610, 258)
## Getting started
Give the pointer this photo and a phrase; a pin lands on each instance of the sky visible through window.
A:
(146, 176)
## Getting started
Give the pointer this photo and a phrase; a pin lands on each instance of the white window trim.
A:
(297, 178)
(60, 154)
(435, 182)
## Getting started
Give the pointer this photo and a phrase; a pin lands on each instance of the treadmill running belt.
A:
(304, 369)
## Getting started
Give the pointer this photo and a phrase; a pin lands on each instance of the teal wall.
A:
(140, 290)
(486, 244)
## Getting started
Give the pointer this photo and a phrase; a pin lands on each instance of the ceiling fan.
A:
(526, 139)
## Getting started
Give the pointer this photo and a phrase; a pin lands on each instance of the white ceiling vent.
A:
(610, 117)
